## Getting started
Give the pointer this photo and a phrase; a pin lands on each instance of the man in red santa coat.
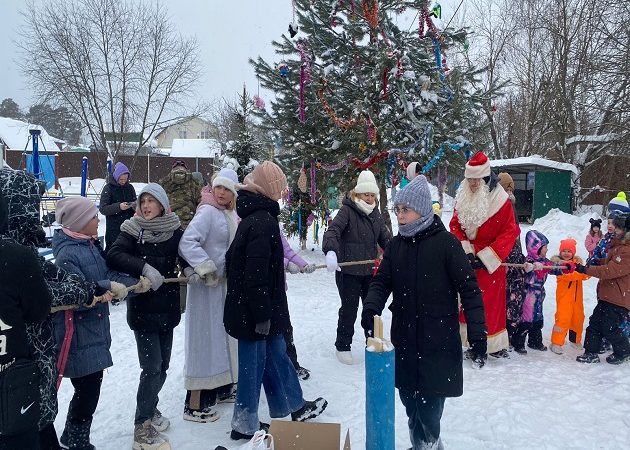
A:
(483, 221)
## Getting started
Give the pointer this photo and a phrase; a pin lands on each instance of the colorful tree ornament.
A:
(283, 70)
(302, 181)
(259, 103)
(436, 11)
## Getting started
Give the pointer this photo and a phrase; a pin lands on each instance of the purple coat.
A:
(290, 256)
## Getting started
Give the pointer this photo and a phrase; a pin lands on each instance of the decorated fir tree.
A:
(354, 90)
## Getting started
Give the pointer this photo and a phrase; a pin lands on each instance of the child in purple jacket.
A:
(293, 263)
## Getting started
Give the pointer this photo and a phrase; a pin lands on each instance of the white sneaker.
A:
(557, 349)
(146, 437)
(159, 422)
(345, 357)
(202, 416)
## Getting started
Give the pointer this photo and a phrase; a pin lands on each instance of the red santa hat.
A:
(478, 166)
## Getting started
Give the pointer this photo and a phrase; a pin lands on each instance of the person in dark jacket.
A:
(256, 311)
(118, 202)
(77, 249)
(147, 245)
(23, 195)
(354, 234)
(426, 269)
(24, 299)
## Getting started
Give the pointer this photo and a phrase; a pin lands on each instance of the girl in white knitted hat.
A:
(355, 234)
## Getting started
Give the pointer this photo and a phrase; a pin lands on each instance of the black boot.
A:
(615, 359)
(76, 436)
(310, 410)
(236, 435)
(537, 346)
(588, 358)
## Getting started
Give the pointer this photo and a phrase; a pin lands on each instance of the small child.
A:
(613, 302)
(569, 299)
(532, 314)
(594, 235)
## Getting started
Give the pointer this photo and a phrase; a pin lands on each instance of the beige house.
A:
(195, 128)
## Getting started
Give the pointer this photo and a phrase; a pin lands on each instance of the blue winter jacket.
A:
(91, 340)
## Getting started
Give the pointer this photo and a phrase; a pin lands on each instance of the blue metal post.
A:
(379, 401)
(109, 166)
(35, 138)
(84, 175)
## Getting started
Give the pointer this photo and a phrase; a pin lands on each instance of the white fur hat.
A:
(412, 170)
(366, 184)
(226, 178)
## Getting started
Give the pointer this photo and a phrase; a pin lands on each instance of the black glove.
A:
(475, 262)
(580, 268)
(367, 322)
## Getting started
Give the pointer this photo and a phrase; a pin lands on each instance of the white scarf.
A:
(365, 207)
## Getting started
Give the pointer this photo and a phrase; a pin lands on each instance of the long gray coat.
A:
(211, 356)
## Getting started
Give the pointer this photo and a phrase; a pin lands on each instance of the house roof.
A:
(15, 134)
(195, 148)
(532, 163)
(179, 122)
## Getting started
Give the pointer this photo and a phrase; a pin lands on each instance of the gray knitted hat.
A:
(416, 195)
(158, 192)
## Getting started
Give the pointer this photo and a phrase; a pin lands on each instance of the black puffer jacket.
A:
(255, 270)
(354, 235)
(152, 311)
(425, 274)
(112, 196)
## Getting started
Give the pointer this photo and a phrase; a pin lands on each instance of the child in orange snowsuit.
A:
(569, 299)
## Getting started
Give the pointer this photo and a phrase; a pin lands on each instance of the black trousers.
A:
(48, 438)
(530, 330)
(424, 415)
(351, 288)
(604, 323)
(87, 391)
(291, 350)
(154, 354)
(29, 440)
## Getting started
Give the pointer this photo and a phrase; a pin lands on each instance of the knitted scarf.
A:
(412, 228)
(364, 206)
(158, 229)
(77, 236)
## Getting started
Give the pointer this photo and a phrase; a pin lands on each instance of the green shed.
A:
(539, 185)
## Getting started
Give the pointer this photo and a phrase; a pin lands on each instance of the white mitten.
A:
(205, 268)
(528, 267)
(538, 266)
(293, 268)
(144, 284)
(119, 290)
(212, 279)
(331, 261)
(309, 268)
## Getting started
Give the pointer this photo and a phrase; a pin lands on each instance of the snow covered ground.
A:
(540, 400)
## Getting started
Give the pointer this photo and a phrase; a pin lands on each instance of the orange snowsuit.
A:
(569, 304)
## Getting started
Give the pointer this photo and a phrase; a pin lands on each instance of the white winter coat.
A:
(211, 355)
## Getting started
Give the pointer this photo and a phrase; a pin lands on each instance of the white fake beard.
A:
(472, 207)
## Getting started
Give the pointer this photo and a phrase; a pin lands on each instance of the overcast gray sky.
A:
(228, 32)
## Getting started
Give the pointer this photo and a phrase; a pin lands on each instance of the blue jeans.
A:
(264, 363)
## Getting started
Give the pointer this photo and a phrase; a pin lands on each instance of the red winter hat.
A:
(568, 244)
(478, 166)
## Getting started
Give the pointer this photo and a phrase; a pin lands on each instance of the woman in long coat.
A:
(211, 355)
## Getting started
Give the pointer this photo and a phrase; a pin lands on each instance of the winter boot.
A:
(500, 354)
(159, 422)
(520, 350)
(146, 437)
(202, 416)
(303, 374)
(604, 346)
(76, 436)
(588, 358)
(227, 395)
(613, 358)
(537, 346)
(236, 435)
(345, 357)
(310, 410)
(557, 349)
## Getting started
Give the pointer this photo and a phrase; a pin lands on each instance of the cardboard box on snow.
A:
(307, 436)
